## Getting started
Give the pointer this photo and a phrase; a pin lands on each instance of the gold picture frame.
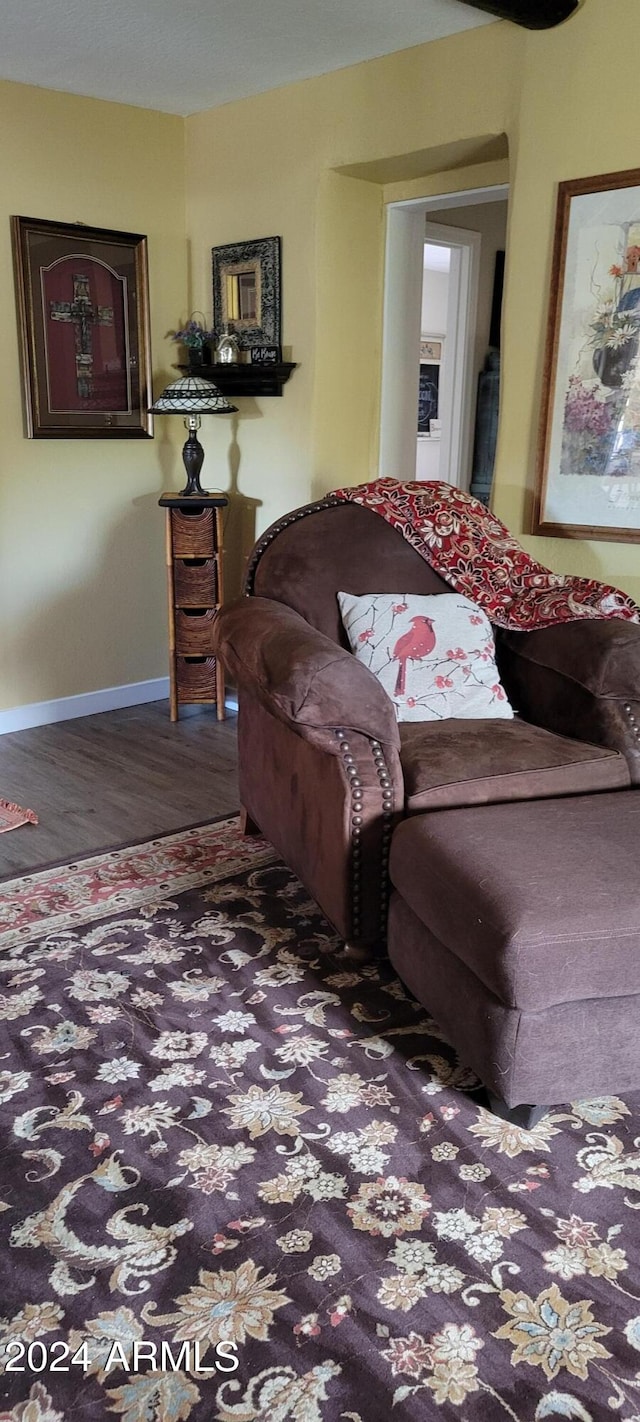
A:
(588, 468)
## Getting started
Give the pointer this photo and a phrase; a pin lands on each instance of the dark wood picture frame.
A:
(246, 290)
(83, 325)
(588, 464)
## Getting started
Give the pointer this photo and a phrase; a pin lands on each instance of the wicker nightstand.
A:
(195, 587)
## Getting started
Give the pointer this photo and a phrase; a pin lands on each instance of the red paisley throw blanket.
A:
(473, 551)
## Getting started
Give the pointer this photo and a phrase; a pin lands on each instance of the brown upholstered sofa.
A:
(325, 770)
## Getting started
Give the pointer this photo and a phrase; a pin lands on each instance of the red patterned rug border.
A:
(117, 880)
(6, 880)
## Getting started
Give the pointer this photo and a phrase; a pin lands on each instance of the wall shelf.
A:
(246, 379)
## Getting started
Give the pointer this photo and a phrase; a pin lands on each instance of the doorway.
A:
(463, 231)
(436, 276)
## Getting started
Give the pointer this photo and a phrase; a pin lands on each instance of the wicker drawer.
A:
(195, 582)
(196, 678)
(194, 630)
(194, 549)
(192, 532)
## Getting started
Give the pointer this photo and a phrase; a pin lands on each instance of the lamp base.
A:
(193, 457)
(193, 491)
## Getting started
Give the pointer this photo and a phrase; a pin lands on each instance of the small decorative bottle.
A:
(228, 347)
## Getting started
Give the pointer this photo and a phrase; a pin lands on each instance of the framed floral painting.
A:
(588, 477)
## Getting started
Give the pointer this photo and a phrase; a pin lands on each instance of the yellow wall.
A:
(576, 118)
(565, 98)
(82, 594)
(82, 599)
(270, 165)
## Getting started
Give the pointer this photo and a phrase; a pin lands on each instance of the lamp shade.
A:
(192, 395)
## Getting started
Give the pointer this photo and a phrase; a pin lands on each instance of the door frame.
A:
(456, 371)
(406, 234)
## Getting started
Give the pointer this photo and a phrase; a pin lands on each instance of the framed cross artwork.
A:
(83, 326)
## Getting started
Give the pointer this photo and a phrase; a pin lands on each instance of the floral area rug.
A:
(12, 816)
(242, 1183)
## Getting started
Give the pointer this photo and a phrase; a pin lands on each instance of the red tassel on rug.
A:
(12, 815)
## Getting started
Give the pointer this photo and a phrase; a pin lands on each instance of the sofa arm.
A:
(580, 679)
(300, 676)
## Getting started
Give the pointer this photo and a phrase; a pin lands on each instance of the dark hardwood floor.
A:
(121, 776)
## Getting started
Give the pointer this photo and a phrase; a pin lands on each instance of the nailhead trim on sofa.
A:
(357, 794)
(635, 728)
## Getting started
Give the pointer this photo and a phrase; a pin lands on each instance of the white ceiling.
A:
(182, 56)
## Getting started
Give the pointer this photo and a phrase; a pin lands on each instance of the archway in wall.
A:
(489, 221)
(354, 319)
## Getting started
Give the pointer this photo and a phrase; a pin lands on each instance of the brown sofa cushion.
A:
(571, 1052)
(447, 764)
(541, 900)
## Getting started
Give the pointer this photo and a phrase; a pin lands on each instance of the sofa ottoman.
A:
(518, 927)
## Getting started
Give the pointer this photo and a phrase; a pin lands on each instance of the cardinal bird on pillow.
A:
(413, 646)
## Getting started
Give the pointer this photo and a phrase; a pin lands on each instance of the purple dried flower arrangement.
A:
(194, 334)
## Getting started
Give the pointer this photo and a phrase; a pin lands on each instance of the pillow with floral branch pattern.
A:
(435, 655)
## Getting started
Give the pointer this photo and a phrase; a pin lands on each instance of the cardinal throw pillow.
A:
(435, 656)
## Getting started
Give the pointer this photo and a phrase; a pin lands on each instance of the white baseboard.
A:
(67, 708)
(90, 703)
